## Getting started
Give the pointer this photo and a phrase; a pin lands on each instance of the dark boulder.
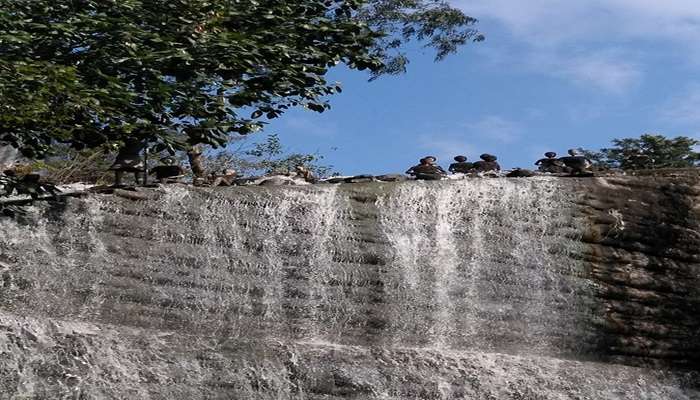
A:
(391, 178)
(336, 179)
(520, 173)
(360, 179)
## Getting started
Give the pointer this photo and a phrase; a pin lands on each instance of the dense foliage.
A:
(89, 72)
(648, 152)
(179, 72)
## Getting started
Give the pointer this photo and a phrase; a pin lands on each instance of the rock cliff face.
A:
(539, 288)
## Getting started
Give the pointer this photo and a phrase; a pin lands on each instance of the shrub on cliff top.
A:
(649, 152)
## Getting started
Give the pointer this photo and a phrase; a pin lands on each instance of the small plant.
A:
(266, 157)
(67, 165)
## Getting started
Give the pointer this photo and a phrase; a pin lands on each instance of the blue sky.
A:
(551, 75)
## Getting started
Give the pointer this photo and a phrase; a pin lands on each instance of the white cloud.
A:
(581, 40)
(684, 109)
(608, 73)
(544, 22)
(540, 22)
(495, 128)
(611, 71)
(312, 125)
(472, 139)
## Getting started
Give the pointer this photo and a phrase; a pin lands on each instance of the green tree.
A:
(88, 72)
(434, 23)
(599, 159)
(182, 72)
(652, 151)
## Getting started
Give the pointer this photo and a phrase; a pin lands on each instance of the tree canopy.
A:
(434, 23)
(648, 152)
(90, 72)
(94, 71)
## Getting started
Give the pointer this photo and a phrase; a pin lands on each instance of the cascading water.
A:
(478, 262)
(418, 290)
(473, 263)
(269, 239)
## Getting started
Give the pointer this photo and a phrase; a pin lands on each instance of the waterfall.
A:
(462, 264)
(477, 263)
(474, 288)
(279, 244)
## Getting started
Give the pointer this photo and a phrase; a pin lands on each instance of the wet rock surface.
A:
(540, 288)
(643, 250)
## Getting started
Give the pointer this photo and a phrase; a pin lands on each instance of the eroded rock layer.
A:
(538, 288)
